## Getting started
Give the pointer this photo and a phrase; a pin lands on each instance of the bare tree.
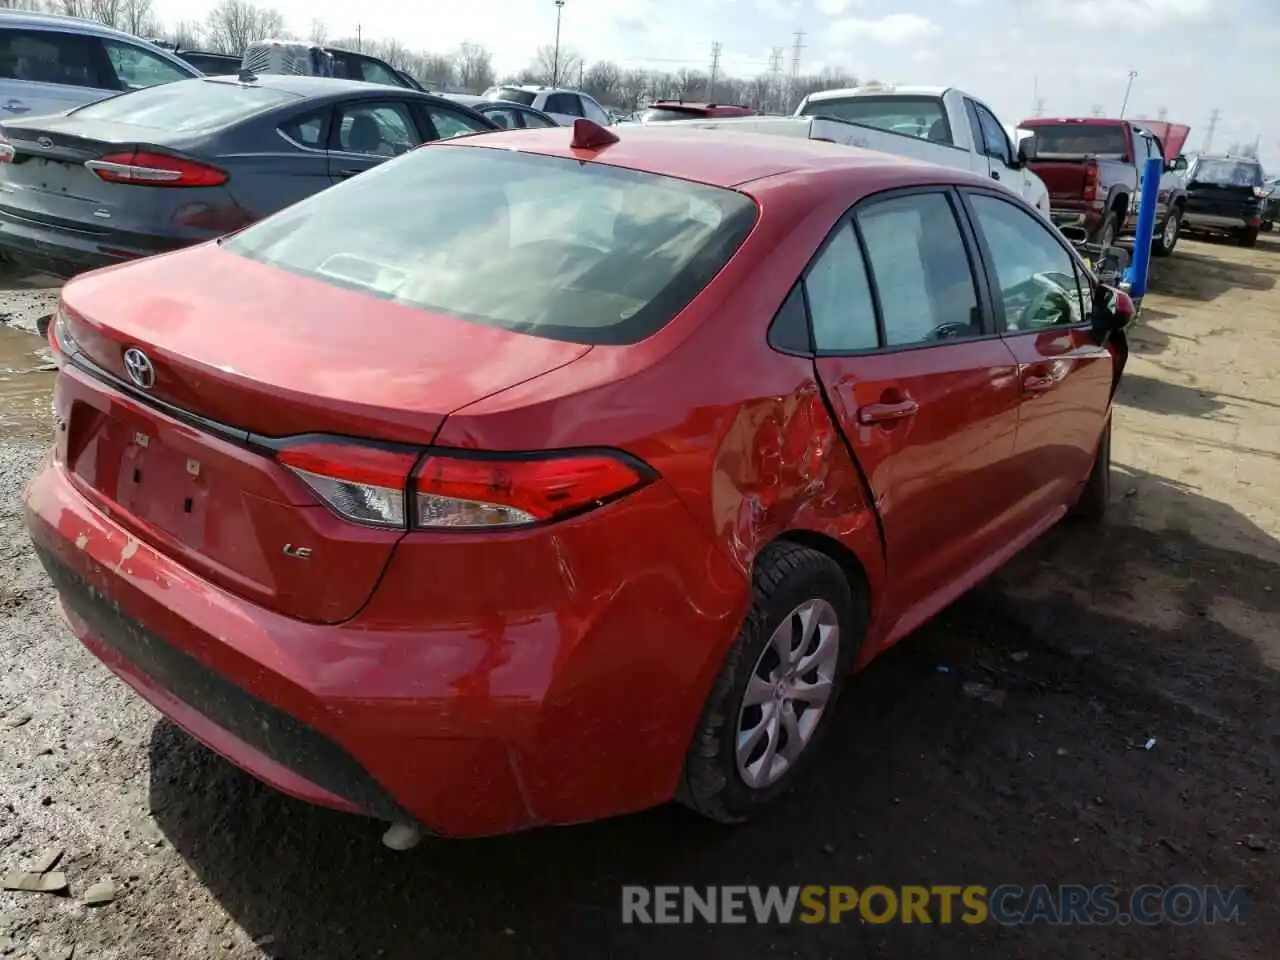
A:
(185, 34)
(234, 24)
(74, 8)
(547, 68)
(137, 18)
(436, 71)
(474, 66)
(110, 12)
(603, 80)
(319, 31)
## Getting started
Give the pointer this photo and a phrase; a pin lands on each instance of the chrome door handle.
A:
(884, 412)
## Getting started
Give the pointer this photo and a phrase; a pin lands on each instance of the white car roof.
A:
(878, 90)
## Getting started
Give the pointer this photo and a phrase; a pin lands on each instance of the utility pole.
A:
(775, 70)
(1129, 86)
(715, 69)
(1097, 109)
(359, 40)
(1039, 108)
(555, 57)
(1162, 114)
(796, 46)
(1213, 125)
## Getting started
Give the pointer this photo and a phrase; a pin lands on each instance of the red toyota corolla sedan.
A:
(524, 481)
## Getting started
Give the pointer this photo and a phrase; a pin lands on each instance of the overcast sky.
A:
(1191, 56)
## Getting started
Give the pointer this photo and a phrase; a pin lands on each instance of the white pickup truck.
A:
(939, 125)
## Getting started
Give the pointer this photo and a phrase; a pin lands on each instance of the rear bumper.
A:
(1196, 219)
(576, 709)
(1086, 218)
(65, 254)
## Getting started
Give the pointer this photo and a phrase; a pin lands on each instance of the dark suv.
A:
(1225, 196)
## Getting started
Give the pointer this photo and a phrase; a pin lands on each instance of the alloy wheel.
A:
(788, 692)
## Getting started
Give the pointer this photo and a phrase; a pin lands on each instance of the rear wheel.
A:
(1168, 238)
(1092, 505)
(1105, 235)
(773, 698)
(1250, 237)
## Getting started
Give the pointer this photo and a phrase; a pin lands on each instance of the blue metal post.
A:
(1139, 268)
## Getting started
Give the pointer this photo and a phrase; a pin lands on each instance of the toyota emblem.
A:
(139, 368)
(45, 142)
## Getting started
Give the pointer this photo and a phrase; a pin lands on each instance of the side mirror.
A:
(1027, 150)
(1113, 311)
(1076, 235)
(1179, 164)
(1115, 259)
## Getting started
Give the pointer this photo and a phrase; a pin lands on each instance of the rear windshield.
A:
(922, 117)
(542, 245)
(1227, 173)
(666, 113)
(1081, 140)
(212, 65)
(185, 105)
(515, 95)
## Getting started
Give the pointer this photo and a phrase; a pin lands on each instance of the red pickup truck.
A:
(1093, 171)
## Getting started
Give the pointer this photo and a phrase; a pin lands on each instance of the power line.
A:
(715, 69)
(1213, 125)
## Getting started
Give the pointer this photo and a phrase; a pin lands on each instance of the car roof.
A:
(715, 157)
(534, 88)
(307, 86)
(878, 90)
(29, 18)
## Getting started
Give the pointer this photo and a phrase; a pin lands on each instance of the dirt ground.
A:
(1166, 628)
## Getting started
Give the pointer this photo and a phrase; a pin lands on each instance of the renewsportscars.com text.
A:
(1008, 904)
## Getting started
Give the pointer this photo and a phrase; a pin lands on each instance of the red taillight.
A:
(1090, 181)
(360, 483)
(467, 492)
(458, 491)
(6, 151)
(155, 170)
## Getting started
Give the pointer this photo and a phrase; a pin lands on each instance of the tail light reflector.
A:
(1090, 181)
(468, 492)
(155, 170)
(363, 484)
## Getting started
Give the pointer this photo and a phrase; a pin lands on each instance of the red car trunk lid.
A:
(260, 353)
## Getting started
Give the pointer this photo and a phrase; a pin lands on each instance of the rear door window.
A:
(372, 71)
(593, 112)
(920, 265)
(381, 129)
(508, 118)
(531, 119)
(569, 104)
(839, 294)
(450, 123)
(995, 139)
(137, 68)
(542, 245)
(50, 56)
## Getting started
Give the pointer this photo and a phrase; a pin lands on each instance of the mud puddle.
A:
(26, 381)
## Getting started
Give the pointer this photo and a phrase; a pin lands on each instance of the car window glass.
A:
(566, 103)
(450, 124)
(844, 315)
(912, 116)
(1037, 276)
(593, 112)
(137, 68)
(997, 141)
(48, 56)
(307, 130)
(975, 125)
(381, 129)
(921, 270)
(372, 71)
(505, 117)
(536, 120)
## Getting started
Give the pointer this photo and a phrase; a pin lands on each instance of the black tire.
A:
(785, 576)
(1105, 235)
(1163, 247)
(1092, 505)
(1250, 237)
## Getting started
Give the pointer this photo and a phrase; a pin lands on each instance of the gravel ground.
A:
(1166, 629)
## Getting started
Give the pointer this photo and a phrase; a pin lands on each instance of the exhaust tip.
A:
(402, 836)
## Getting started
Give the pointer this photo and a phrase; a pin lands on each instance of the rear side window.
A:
(450, 123)
(541, 245)
(49, 56)
(922, 117)
(514, 94)
(844, 315)
(137, 68)
(921, 270)
(566, 103)
(188, 105)
(307, 130)
(211, 65)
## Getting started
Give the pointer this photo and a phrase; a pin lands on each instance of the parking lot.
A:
(1127, 731)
